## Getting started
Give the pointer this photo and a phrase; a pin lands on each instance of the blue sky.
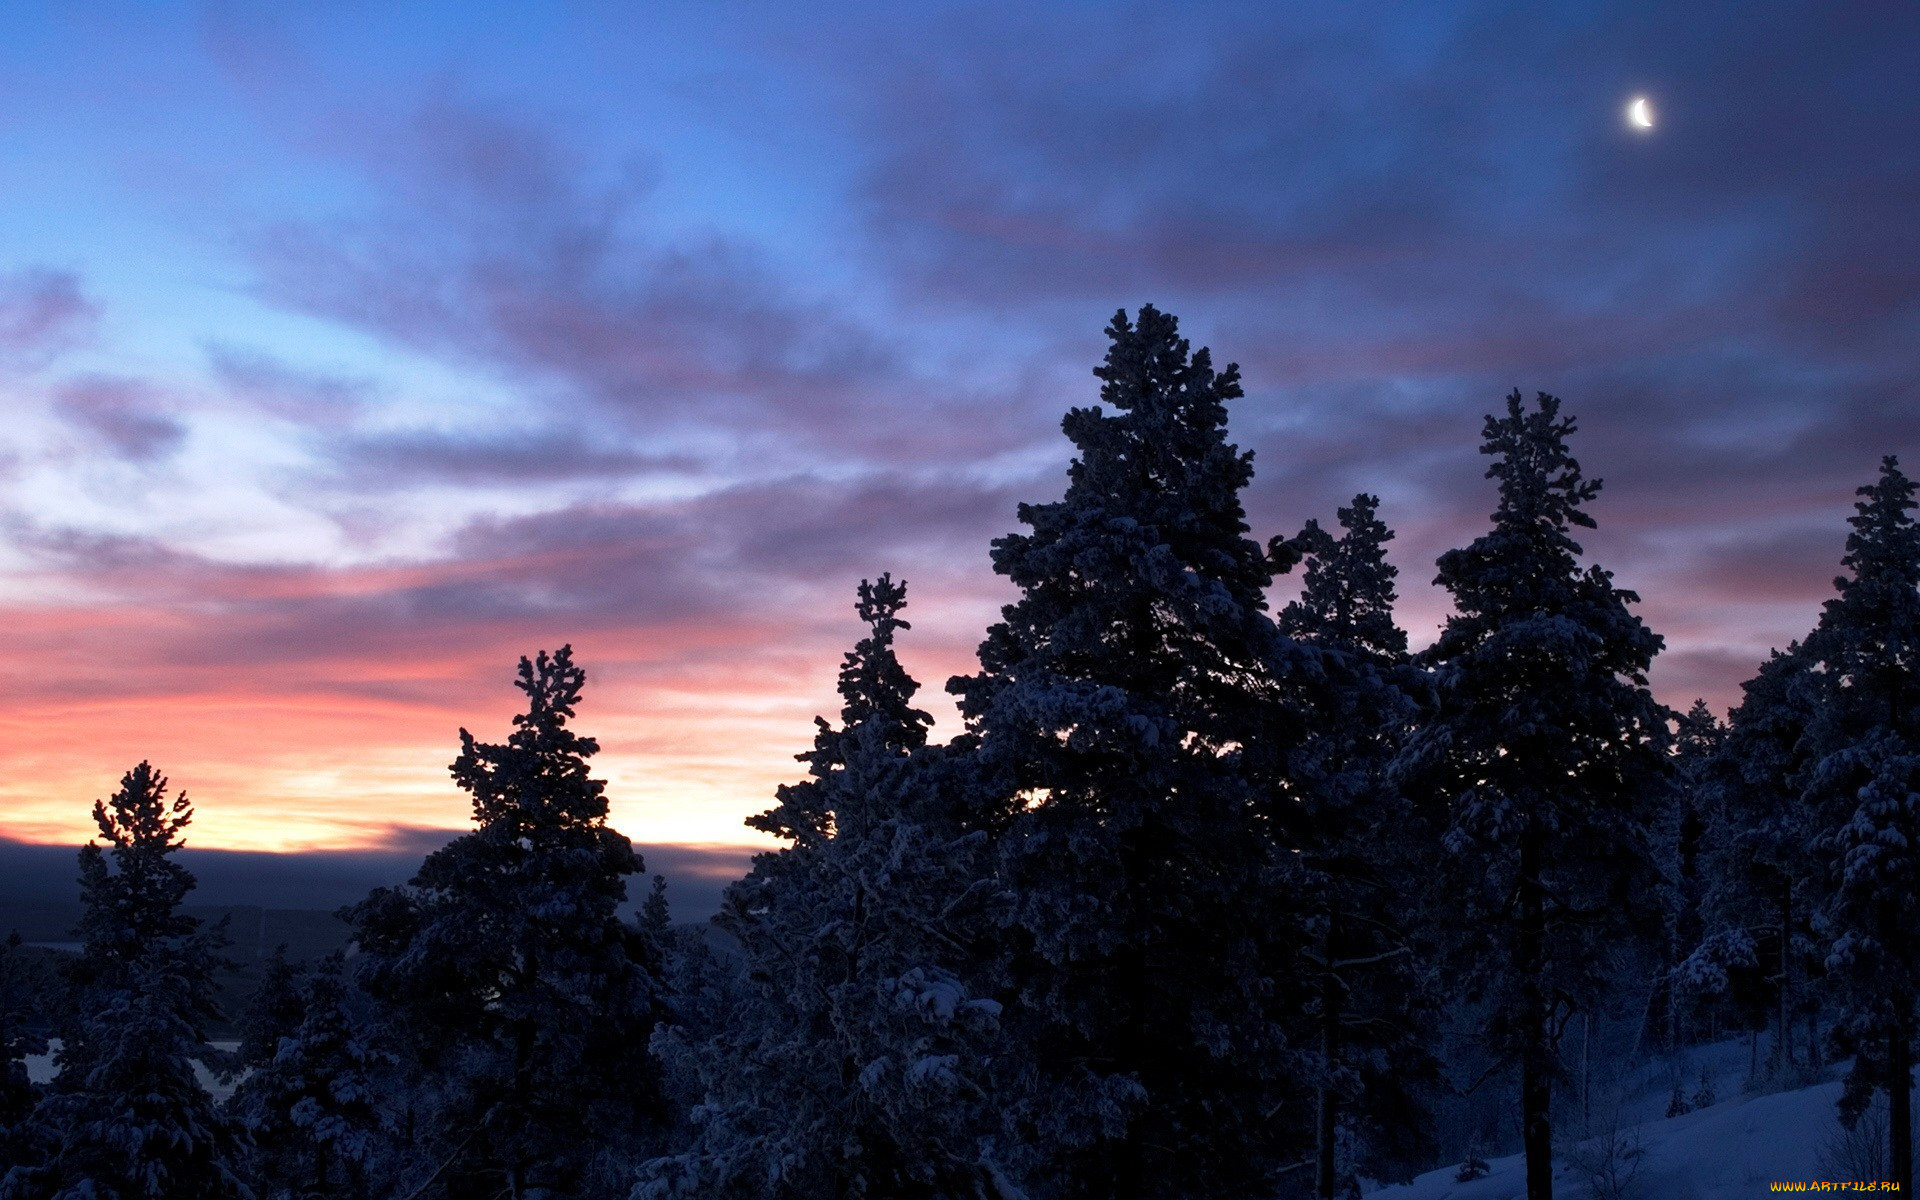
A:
(351, 351)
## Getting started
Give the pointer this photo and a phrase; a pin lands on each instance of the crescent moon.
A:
(1640, 113)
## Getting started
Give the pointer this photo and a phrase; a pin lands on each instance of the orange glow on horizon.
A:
(342, 742)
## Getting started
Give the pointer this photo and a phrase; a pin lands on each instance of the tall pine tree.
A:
(856, 1062)
(1548, 751)
(507, 972)
(1865, 784)
(1128, 709)
(1375, 1007)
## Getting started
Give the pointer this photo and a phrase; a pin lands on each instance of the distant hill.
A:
(252, 931)
(268, 900)
(39, 889)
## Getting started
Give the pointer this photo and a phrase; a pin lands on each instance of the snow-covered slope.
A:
(1732, 1149)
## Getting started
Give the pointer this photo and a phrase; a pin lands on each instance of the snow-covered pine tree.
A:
(507, 973)
(273, 1011)
(310, 1105)
(853, 1061)
(1347, 589)
(1697, 737)
(1376, 1012)
(1761, 881)
(126, 1116)
(1865, 784)
(1547, 751)
(1127, 710)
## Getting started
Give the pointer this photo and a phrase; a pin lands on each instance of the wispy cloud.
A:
(42, 312)
(128, 417)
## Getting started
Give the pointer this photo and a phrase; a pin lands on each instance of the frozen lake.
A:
(40, 1069)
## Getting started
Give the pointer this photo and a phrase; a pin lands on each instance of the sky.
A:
(349, 352)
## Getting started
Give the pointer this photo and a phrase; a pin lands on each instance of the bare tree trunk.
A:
(1127, 1165)
(1673, 1008)
(1586, 1074)
(1784, 1051)
(1536, 1067)
(1900, 1096)
(1329, 1114)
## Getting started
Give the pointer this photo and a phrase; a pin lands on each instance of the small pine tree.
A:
(1703, 1095)
(853, 1060)
(1472, 1167)
(1348, 592)
(506, 973)
(655, 918)
(1677, 1105)
(310, 1107)
(126, 1115)
(1546, 754)
(273, 1012)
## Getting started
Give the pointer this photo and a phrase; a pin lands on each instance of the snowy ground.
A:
(40, 1069)
(1729, 1151)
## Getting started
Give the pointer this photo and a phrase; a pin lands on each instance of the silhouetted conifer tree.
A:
(1376, 1008)
(1698, 737)
(126, 1116)
(310, 1105)
(1865, 783)
(273, 1012)
(1548, 751)
(508, 975)
(1681, 826)
(1762, 882)
(1129, 712)
(853, 1061)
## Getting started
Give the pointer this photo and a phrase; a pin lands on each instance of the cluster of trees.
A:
(1797, 859)
(1182, 912)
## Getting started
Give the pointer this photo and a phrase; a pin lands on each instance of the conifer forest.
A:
(1212, 896)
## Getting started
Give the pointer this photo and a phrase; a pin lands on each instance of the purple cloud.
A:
(767, 560)
(42, 313)
(269, 385)
(492, 248)
(373, 463)
(126, 415)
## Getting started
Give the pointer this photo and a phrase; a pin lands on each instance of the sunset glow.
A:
(336, 381)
